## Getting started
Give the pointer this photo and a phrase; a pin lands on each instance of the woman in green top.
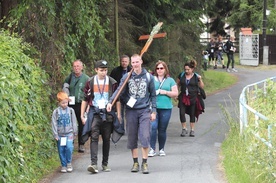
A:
(166, 89)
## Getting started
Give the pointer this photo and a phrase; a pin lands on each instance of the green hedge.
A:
(25, 136)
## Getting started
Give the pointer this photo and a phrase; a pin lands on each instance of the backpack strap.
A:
(182, 74)
(148, 76)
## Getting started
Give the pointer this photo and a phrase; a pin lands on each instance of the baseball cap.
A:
(101, 64)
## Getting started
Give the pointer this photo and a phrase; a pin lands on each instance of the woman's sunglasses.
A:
(159, 68)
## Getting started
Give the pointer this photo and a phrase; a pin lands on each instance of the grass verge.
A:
(246, 158)
(215, 81)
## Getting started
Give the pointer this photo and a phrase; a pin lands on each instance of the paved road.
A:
(189, 159)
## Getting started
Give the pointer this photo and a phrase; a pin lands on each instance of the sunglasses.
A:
(159, 68)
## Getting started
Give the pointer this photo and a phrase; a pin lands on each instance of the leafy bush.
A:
(25, 137)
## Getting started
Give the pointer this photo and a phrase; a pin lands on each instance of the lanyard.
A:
(101, 91)
(161, 83)
(188, 80)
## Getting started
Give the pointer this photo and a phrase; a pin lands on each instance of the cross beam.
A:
(145, 37)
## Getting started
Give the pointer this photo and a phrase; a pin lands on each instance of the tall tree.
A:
(218, 11)
(249, 13)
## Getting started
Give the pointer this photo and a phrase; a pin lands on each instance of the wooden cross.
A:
(149, 38)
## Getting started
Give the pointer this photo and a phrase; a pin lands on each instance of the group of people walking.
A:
(140, 101)
(215, 50)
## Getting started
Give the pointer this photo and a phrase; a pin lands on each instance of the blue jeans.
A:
(65, 152)
(160, 124)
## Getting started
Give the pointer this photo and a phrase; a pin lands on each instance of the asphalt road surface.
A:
(188, 159)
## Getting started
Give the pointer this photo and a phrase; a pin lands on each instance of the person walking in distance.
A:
(211, 51)
(74, 84)
(64, 127)
(117, 73)
(166, 89)
(140, 98)
(230, 50)
(188, 81)
(219, 52)
(98, 89)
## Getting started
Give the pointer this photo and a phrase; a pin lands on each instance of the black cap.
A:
(101, 64)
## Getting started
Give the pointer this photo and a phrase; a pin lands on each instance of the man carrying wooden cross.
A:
(139, 95)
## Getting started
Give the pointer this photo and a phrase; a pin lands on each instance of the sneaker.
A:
(69, 167)
(192, 133)
(234, 70)
(223, 66)
(135, 167)
(81, 149)
(215, 67)
(63, 169)
(151, 153)
(93, 169)
(162, 152)
(145, 168)
(184, 132)
(106, 168)
(227, 70)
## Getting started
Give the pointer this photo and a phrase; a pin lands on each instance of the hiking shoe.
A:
(145, 169)
(81, 149)
(162, 152)
(192, 133)
(63, 169)
(135, 167)
(93, 169)
(106, 168)
(184, 132)
(69, 167)
(234, 70)
(227, 70)
(151, 153)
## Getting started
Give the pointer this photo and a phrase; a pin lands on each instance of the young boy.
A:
(64, 126)
(97, 91)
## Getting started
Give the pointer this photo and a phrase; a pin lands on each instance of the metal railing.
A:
(245, 109)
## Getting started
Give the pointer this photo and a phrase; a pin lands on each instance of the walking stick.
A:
(154, 31)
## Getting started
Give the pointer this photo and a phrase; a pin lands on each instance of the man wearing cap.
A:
(97, 91)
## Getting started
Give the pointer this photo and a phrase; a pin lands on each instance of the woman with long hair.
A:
(166, 89)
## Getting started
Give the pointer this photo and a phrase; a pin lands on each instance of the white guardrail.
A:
(244, 109)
